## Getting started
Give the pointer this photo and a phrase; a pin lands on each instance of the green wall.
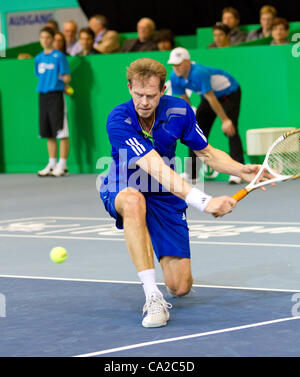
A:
(269, 77)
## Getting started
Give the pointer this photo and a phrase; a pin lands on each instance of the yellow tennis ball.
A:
(70, 90)
(58, 254)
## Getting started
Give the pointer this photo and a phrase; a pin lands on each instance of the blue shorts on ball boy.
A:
(166, 222)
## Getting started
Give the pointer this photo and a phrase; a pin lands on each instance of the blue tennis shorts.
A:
(166, 222)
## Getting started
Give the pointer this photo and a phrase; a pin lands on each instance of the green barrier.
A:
(268, 75)
(187, 41)
(31, 48)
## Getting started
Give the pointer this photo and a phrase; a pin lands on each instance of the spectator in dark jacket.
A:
(267, 15)
(280, 32)
(87, 40)
(164, 40)
(144, 42)
(221, 33)
(231, 18)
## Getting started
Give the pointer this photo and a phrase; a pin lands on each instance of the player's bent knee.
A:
(134, 203)
(183, 290)
(180, 290)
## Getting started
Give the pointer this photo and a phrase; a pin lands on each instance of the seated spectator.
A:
(144, 42)
(59, 42)
(266, 17)
(231, 18)
(221, 33)
(280, 32)
(164, 40)
(70, 32)
(106, 41)
(87, 40)
(53, 25)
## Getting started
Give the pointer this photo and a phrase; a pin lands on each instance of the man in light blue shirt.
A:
(220, 96)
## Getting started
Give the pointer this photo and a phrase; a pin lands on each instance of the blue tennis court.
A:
(246, 295)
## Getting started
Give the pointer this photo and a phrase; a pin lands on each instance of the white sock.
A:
(147, 278)
(52, 162)
(63, 163)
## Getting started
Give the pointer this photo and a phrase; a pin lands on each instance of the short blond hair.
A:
(268, 9)
(144, 68)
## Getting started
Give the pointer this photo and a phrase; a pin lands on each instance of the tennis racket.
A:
(282, 162)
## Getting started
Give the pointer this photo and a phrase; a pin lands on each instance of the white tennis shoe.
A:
(46, 172)
(155, 311)
(233, 180)
(59, 171)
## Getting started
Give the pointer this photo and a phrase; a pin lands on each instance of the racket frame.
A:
(277, 177)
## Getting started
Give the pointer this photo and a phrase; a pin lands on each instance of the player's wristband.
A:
(198, 199)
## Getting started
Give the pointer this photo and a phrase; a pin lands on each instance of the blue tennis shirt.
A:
(174, 120)
(48, 68)
(203, 79)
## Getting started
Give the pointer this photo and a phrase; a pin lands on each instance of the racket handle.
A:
(237, 196)
(240, 194)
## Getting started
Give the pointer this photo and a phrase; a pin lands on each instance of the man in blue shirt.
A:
(52, 70)
(220, 96)
(145, 195)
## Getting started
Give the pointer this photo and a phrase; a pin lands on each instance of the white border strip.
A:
(138, 282)
(191, 336)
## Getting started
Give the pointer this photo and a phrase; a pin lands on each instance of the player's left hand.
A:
(249, 172)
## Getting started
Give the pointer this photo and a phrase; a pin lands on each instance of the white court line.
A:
(139, 283)
(78, 226)
(55, 218)
(61, 237)
(122, 239)
(191, 336)
(67, 229)
(243, 222)
(95, 228)
(245, 244)
(189, 220)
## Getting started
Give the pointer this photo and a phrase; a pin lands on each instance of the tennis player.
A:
(145, 195)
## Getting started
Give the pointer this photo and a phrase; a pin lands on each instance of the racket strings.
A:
(284, 159)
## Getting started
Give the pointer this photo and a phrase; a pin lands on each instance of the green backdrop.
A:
(268, 75)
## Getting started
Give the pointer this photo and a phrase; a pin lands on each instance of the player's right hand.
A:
(228, 128)
(220, 205)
